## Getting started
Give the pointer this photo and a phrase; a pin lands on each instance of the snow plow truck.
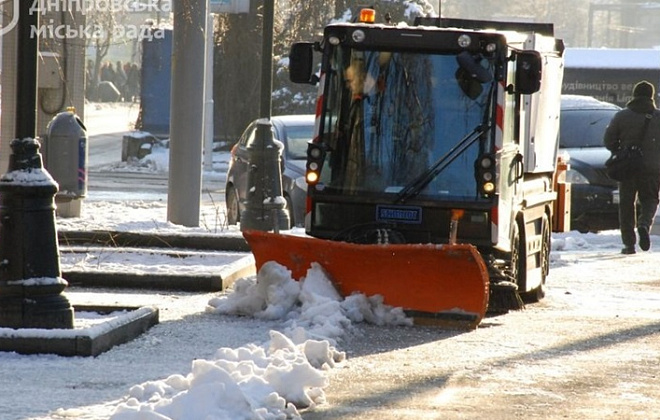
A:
(432, 175)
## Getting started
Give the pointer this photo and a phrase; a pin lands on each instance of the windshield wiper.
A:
(413, 188)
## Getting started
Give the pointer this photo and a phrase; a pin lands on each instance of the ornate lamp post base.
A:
(31, 285)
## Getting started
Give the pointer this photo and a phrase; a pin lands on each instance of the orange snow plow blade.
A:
(434, 284)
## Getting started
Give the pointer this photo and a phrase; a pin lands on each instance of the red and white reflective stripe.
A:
(494, 223)
(319, 108)
(499, 116)
(499, 143)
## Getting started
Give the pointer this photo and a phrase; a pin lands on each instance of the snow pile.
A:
(312, 304)
(158, 159)
(273, 380)
(252, 382)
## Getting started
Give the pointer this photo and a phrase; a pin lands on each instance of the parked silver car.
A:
(292, 133)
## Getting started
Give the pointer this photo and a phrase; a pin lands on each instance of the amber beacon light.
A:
(367, 16)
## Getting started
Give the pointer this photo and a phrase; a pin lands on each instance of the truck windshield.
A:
(390, 115)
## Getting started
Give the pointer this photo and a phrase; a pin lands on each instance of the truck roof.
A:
(612, 58)
(488, 25)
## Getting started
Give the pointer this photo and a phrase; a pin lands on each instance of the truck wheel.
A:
(518, 263)
(233, 210)
(547, 239)
(538, 293)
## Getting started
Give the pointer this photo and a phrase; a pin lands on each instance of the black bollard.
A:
(264, 208)
(31, 285)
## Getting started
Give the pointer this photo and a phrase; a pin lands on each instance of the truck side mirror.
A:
(301, 63)
(528, 72)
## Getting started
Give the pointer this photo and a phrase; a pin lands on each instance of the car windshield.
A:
(297, 137)
(583, 127)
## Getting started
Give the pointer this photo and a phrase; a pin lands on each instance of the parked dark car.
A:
(594, 196)
(292, 133)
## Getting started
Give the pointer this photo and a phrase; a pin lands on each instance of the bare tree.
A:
(300, 21)
(237, 71)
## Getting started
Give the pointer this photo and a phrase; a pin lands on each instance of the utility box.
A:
(155, 90)
(65, 157)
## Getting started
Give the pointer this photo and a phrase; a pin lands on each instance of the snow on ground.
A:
(263, 350)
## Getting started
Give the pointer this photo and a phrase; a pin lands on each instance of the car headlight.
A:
(575, 177)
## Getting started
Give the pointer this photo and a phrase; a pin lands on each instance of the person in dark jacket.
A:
(638, 195)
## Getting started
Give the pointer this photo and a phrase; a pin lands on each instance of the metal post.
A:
(187, 112)
(26, 83)
(264, 209)
(208, 96)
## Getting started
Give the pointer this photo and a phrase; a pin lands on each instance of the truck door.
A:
(511, 161)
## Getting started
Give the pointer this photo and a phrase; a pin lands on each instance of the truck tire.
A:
(518, 261)
(538, 293)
